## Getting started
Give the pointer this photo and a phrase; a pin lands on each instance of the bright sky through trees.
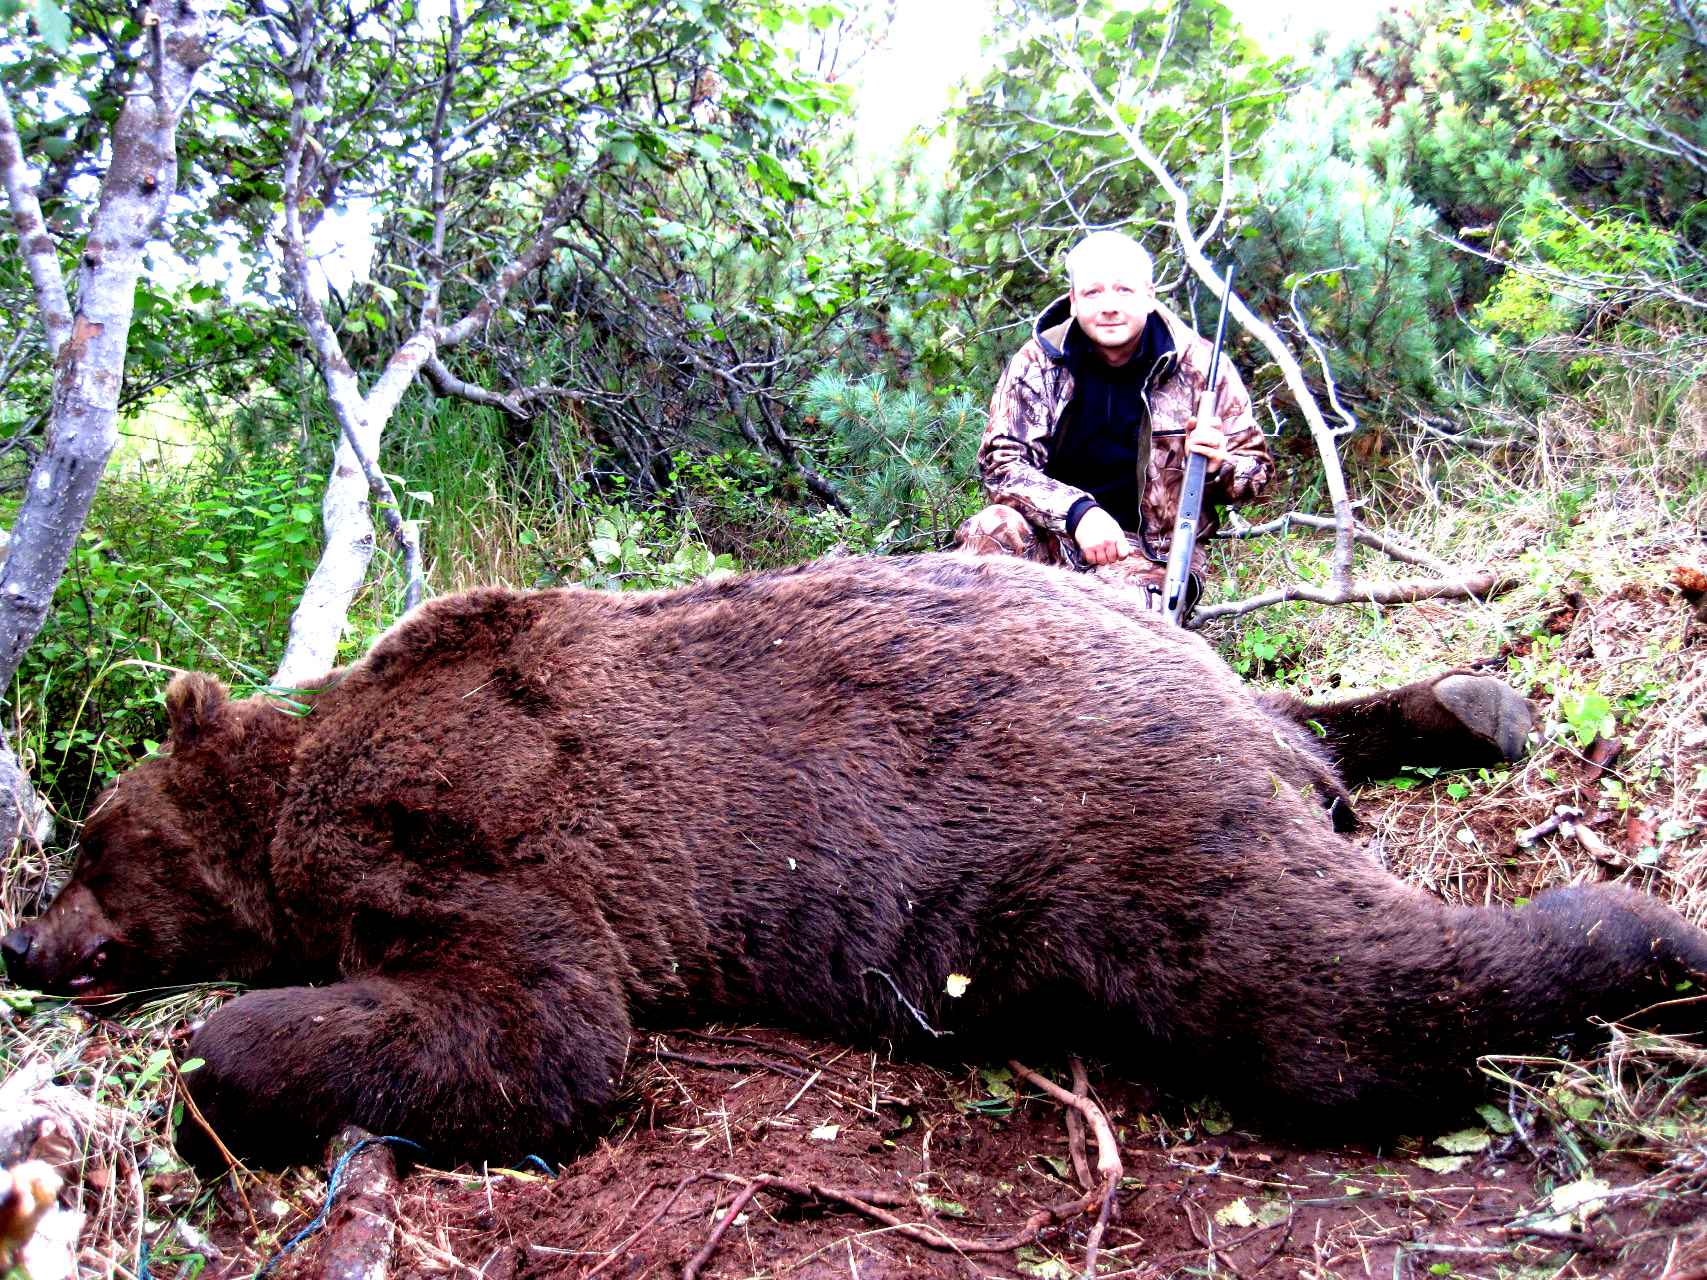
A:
(933, 44)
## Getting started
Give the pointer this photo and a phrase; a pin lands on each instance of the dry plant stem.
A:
(868, 1202)
(732, 1064)
(234, 1166)
(658, 1216)
(742, 1199)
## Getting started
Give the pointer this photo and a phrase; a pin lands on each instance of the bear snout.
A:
(72, 949)
(15, 947)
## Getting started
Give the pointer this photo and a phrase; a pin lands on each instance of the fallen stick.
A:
(361, 1229)
(1108, 1153)
(730, 1064)
(870, 1204)
(866, 1203)
(1076, 1127)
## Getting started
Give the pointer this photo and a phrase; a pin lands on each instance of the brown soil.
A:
(962, 1153)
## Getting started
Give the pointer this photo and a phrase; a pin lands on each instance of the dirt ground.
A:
(970, 1156)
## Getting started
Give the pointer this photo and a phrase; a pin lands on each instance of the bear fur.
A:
(527, 822)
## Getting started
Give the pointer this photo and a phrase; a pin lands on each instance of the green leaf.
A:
(1441, 1164)
(1060, 1166)
(54, 25)
(1496, 1119)
(1464, 1141)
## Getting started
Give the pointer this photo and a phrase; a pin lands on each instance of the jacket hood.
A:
(1050, 328)
(1049, 331)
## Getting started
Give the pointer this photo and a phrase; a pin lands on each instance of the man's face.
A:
(1112, 297)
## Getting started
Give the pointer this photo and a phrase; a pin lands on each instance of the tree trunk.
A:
(89, 357)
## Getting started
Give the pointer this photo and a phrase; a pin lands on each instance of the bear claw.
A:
(1490, 709)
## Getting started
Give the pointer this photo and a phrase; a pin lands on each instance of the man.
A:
(1084, 459)
(1084, 454)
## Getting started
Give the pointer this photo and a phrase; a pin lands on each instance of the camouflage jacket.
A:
(1033, 396)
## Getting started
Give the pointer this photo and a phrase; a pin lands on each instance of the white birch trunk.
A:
(88, 346)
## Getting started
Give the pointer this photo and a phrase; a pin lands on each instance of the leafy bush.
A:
(908, 457)
(201, 571)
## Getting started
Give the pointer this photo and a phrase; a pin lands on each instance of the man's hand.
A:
(1208, 439)
(1101, 538)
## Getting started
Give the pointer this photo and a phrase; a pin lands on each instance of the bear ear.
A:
(193, 702)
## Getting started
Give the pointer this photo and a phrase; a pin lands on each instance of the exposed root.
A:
(1076, 1127)
(1108, 1151)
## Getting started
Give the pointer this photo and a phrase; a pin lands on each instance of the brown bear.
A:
(527, 821)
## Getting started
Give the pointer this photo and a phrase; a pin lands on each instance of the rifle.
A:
(1184, 541)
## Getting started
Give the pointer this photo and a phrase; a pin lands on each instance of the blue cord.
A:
(549, 1171)
(331, 1195)
(142, 1263)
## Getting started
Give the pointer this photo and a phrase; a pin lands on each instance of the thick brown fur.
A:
(527, 822)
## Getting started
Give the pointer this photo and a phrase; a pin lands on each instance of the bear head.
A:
(170, 884)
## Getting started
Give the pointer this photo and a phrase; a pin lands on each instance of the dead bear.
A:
(526, 822)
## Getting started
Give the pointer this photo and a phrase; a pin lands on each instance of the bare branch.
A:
(1326, 443)
(37, 245)
(558, 210)
(1385, 544)
(1345, 415)
(1429, 428)
(436, 143)
(1480, 585)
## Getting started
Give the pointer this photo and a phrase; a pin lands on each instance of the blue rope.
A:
(142, 1263)
(331, 1195)
(549, 1171)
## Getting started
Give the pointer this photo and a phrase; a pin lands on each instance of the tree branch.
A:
(1326, 443)
(1387, 546)
(1479, 585)
(36, 244)
(90, 352)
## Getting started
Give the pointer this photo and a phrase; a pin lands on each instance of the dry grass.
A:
(107, 1091)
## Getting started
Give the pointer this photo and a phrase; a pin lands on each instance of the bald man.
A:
(1084, 454)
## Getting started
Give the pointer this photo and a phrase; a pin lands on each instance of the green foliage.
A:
(197, 571)
(907, 456)
(1577, 268)
(632, 550)
(1035, 165)
(1259, 654)
(1356, 250)
(1588, 715)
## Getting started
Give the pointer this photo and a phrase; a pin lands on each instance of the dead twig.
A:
(870, 1204)
(742, 1199)
(1108, 1152)
(731, 1064)
(1076, 1126)
(657, 1217)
